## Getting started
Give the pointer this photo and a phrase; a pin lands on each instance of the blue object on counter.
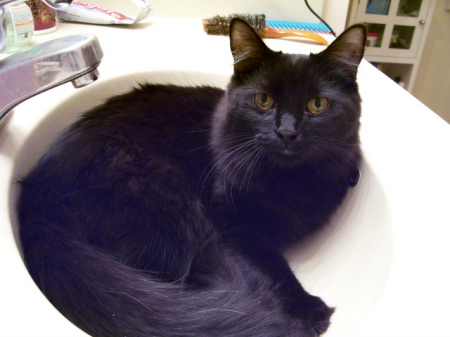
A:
(312, 27)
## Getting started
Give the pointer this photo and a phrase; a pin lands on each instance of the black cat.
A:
(164, 211)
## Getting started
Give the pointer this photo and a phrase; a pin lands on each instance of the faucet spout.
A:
(34, 70)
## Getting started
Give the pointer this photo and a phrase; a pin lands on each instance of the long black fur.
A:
(164, 211)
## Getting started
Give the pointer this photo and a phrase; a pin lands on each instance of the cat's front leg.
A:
(266, 258)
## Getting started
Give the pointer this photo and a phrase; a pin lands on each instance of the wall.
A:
(333, 11)
(335, 14)
(432, 84)
(273, 9)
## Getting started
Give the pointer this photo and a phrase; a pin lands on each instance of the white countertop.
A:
(405, 144)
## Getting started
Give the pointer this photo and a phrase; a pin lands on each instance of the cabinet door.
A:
(395, 27)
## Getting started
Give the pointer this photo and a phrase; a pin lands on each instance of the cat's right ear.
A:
(247, 47)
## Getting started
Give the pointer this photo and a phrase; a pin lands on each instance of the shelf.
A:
(397, 31)
(400, 73)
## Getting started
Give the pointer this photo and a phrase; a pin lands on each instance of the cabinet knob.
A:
(422, 22)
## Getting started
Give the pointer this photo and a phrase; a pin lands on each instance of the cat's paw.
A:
(315, 314)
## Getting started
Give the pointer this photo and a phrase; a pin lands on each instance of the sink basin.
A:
(347, 264)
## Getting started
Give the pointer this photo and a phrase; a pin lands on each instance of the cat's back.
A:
(161, 114)
(144, 143)
(150, 123)
(114, 170)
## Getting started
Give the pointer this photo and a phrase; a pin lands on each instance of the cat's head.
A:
(288, 109)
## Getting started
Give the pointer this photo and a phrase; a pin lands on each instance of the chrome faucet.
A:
(27, 73)
(31, 71)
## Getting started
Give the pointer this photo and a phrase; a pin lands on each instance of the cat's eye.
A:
(264, 101)
(317, 105)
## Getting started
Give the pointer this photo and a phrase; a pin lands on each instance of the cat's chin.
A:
(285, 158)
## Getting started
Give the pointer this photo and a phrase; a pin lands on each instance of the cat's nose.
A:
(287, 135)
(287, 130)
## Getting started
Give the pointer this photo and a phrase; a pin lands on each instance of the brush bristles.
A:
(220, 25)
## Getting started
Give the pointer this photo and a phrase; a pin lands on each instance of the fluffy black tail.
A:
(107, 298)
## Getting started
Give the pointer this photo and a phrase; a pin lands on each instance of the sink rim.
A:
(96, 95)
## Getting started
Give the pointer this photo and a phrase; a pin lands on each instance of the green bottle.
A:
(19, 26)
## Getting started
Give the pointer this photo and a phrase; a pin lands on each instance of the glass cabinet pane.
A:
(394, 27)
(380, 7)
(401, 37)
(409, 8)
(375, 33)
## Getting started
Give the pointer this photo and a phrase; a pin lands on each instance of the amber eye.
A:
(264, 101)
(317, 105)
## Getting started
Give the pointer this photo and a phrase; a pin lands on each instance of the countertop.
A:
(406, 145)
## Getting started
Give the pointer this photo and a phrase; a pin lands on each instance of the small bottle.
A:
(19, 26)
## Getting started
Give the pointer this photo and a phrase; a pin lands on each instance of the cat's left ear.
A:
(348, 48)
(247, 47)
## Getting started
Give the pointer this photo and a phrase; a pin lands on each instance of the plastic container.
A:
(372, 39)
(19, 26)
(44, 17)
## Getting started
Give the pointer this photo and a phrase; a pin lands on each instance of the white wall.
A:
(335, 14)
(273, 9)
(333, 11)
(432, 84)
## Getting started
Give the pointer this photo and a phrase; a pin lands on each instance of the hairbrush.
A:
(220, 25)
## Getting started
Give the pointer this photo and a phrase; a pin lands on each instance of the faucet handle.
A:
(58, 4)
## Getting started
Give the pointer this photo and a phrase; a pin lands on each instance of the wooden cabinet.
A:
(397, 30)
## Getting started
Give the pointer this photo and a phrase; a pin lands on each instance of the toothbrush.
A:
(219, 25)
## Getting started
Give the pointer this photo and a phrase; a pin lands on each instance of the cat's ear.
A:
(247, 47)
(348, 48)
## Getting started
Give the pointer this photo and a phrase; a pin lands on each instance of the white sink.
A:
(347, 264)
(383, 259)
